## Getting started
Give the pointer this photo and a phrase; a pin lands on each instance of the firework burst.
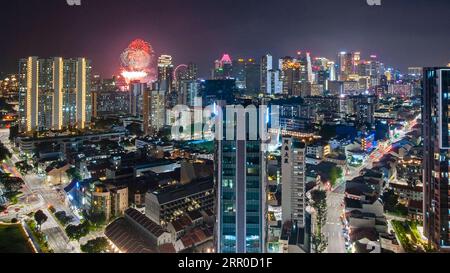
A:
(136, 60)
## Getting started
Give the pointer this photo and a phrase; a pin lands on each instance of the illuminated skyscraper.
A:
(304, 60)
(293, 170)
(223, 68)
(54, 93)
(165, 73)
(157, 110)
(266, 67)
(240, 207)
(290, 74)
(436, 156)
(346, 65)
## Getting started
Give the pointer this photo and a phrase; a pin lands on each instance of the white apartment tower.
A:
(293, 181)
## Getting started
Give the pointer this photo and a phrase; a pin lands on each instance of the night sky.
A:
(402, 32)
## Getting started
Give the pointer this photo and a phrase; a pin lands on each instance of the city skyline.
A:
(225, 127)
(242, 30)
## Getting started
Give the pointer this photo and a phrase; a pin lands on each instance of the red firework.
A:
(140, 44)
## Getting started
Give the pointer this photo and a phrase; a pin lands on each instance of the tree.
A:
(11, 184)
(24, 167)
(335, 175)
(135, 129)
(319, 203)
(63, 218)
(40, 217)
(77, 232)
(97, 219)
(4, 152)
(74, 174)
(98, 245)
(13, 132)
(52, 209)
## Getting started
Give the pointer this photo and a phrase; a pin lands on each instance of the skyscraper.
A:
(165, 73)
(240, 206)
(158, 114)
(54, 93)
(436, 159)
(346, 65)
(306, 73)
(136, 98)
(266, 67)
(290, 74)
(293, 171)
(223, 68)
(252, 76)
(238, 73)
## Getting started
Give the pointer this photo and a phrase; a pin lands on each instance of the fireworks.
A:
(136, 60)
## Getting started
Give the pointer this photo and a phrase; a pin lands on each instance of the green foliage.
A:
(74, 174)
(23, 167)
(95, 220)
(319, 203)
(135, 129)
(77, 232)
(392, 205)
(13, 132)
(62, 217)
(11, 184)
(40, 217)
(410, 238)
(4, 152)
(336, 173)
(39, 236)
(98, 245)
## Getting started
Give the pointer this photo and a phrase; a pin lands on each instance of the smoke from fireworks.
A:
(136, 61)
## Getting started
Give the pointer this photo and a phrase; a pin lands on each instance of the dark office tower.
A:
(252, 76)
(436, 157)
(238, 73)
(215, 90)
(239, 172)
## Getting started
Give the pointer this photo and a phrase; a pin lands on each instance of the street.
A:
(37, 195)
(334, 228)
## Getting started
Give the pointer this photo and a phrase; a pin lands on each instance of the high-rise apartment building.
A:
(136, 98)
(436, 156)
(54, 93)
(293, 171)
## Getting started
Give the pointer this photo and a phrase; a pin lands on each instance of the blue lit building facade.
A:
(240, 190)
(436, 161)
